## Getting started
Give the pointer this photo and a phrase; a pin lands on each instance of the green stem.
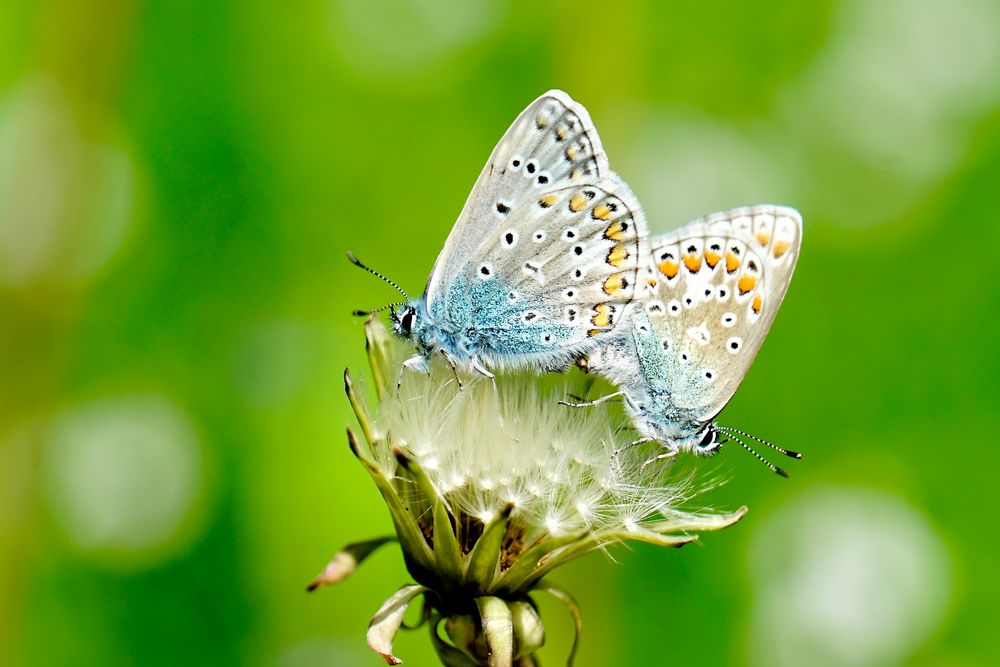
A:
(574, 611)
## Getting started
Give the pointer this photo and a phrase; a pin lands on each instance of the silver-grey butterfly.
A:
(710, 292)
(543, 259)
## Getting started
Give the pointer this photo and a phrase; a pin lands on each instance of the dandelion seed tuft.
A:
(489, 491)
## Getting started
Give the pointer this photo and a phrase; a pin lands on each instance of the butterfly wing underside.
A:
(550, 239)
(711, 294)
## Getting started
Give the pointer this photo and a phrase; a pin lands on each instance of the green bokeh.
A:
(179, 182)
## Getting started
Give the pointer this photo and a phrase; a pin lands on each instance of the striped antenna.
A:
(367, 313)
(750, 449)
(356, 262)
(786, 452)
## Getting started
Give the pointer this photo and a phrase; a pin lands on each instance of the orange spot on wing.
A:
(593, 332)
(615, 231)
(732, 262)
(561, 132)
(651, 282)
(757, 303)
(712, 258)
(571, 153)
(692, 262)
(669, 268)
(601, 212)
(602, 315)
(577, 202)
(781, 247)
(746, 283)
(614, 284)
(617, 256)
(576, 173)
(547, 200)
(763, 238)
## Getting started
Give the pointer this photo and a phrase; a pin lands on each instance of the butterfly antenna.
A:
(750, 449)
(367, 313)
(357, 262)
(787, 452)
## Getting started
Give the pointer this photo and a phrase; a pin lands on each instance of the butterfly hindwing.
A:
(711, 293)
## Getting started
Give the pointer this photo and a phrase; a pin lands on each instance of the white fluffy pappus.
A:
(491, 490)
(564, 469)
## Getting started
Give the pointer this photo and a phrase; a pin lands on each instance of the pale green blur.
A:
(179, 182)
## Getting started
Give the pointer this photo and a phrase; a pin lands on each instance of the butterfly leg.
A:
(417, 362)
(596, 401)
(482, 370)
(478, 367)
(669, 454)
(634, 443)
(454, 368)
(581, 397)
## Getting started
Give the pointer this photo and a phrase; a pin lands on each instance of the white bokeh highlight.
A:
(66, 198)
(124, 478)
(880, 117)
(892, 100)
(402, 39)
(320, 652)
(845, 577)
(687, 165)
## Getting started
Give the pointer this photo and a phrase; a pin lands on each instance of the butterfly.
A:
(710, 291)
(543, 260)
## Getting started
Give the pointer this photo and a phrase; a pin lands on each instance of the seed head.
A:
(490, 489)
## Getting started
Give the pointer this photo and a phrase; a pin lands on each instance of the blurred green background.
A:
(179, 182)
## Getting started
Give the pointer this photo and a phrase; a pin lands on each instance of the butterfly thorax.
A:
(657, 416)
(653, 386)
(476, 324)
(452, 331)
(653, 410)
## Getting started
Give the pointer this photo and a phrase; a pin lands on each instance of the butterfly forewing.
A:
(550, 146)
(711, 294)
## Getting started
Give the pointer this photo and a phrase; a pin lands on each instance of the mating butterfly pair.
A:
(550, 263)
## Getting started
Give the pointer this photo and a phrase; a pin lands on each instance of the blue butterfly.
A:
(710, 291)
(543, 259)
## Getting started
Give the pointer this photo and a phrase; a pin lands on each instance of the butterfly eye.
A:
(709, 442)
(406, 323)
